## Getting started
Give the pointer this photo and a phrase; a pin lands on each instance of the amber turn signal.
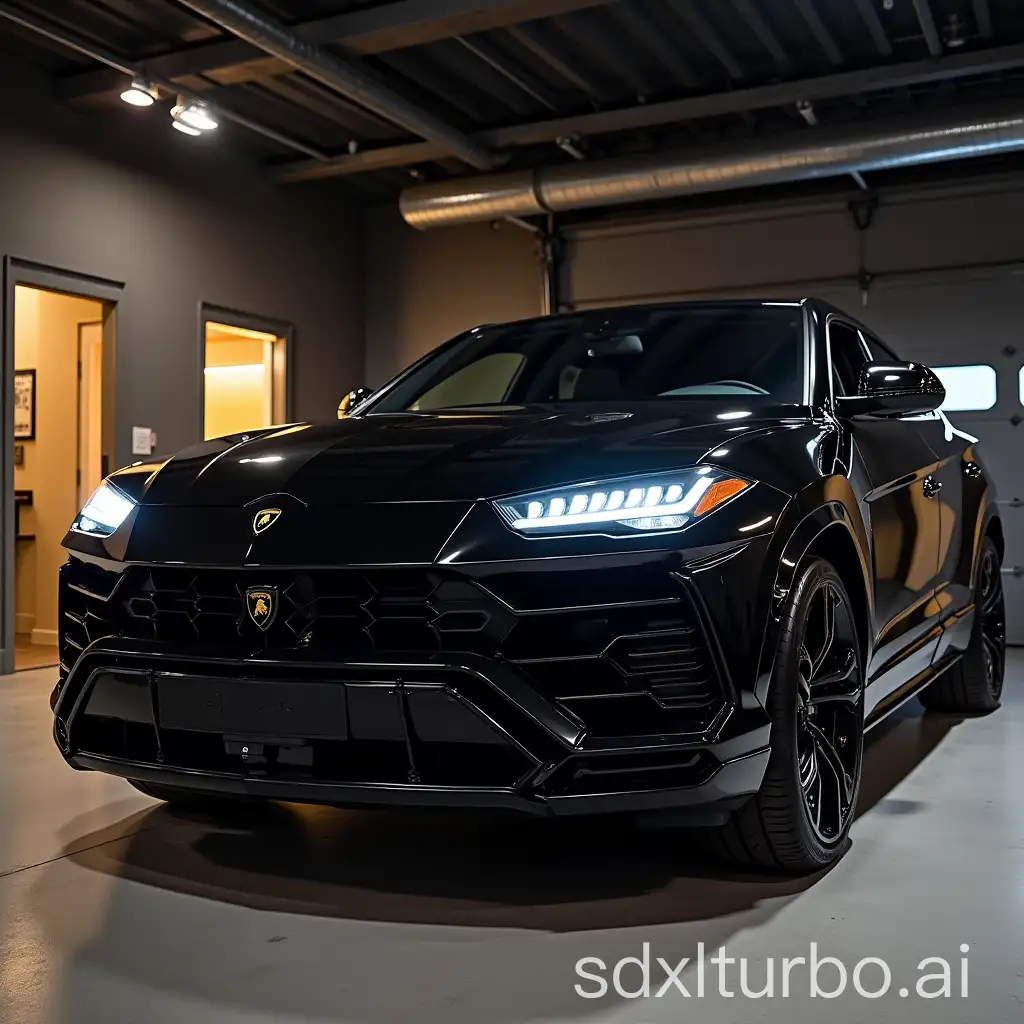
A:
(719, 491)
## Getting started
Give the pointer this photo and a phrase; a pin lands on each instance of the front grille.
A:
(639, 666)
(321, 610)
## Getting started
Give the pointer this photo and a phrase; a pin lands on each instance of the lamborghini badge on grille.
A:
(261, 604)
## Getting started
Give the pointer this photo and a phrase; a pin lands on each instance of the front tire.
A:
(975, 683)
(800, 819)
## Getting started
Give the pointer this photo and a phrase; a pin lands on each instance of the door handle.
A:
(931, 487)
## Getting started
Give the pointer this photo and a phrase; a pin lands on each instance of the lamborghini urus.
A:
(669, 560)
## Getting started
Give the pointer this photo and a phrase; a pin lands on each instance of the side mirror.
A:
(351, 400)
(893, 389)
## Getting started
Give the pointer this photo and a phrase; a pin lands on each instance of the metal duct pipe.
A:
(252, 25)
(818, 154)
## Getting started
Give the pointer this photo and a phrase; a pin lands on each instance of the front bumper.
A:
(586, 685)
(407, 733)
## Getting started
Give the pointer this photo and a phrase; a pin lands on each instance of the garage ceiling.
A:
(543, 82)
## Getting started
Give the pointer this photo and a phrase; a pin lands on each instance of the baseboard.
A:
(24, 622)
(44, 637)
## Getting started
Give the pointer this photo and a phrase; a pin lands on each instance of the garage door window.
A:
(968, 388)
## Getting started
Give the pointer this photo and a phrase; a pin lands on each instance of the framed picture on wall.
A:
(24, 405)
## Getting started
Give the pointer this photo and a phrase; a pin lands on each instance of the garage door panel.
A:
(646, 262)
(949, 318)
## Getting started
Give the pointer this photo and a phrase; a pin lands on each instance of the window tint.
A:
(971, 387)
(848, 357)
(880, 352)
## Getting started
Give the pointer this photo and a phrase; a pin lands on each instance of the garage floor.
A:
(113, 910)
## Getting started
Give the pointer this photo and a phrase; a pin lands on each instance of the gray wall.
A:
(425, 287)
(179, 221)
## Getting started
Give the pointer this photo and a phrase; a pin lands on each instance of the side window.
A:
(878, 349)
(848, 356)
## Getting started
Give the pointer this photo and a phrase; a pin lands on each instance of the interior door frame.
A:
(78, 418)
(55, 279)
(250, 322)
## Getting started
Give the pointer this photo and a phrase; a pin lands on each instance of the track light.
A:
(140, 93)
(192, 118)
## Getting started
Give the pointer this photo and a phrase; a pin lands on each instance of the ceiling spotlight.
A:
(184, 128)
(194, 116)
(806, 110)
(140, 93)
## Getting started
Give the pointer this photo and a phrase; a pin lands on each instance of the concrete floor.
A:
(114, 910)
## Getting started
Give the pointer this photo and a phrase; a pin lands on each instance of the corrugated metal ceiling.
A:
(490, 66)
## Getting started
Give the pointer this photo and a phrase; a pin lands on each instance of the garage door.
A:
(968, 323)
(970, 326)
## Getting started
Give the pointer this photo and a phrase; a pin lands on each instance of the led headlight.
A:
(104, 512)
(665, 501)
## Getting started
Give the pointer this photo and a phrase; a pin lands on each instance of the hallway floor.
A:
(115, 911)
(30, 655)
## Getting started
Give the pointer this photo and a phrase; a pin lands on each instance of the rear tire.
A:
(800, 819)
(975, 683)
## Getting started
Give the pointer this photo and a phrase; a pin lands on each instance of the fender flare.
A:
(829, 515)
(987, 512)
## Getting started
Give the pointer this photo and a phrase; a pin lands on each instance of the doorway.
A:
(245, 373)
(58, 437)
(58, 332)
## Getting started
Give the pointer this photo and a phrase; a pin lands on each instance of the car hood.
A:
(457, 456)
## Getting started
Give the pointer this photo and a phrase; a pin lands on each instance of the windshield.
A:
(687, 351)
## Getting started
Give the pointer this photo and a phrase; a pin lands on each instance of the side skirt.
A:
(911, 688)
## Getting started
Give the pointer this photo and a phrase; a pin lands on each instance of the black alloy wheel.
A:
(800, 819)
(829, 712)
(992, 609)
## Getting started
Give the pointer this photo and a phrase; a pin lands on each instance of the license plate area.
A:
(252, 707)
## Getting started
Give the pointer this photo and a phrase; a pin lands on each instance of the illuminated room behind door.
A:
(244, 376)
(58, 450)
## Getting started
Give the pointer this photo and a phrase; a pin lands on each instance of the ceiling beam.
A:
(374, 30)
(699, 25)
(346, 77)
(553, 55)
(849, 83)
(928, 27)
(748, 11)
(983, 18)
(820, 30)
(485, 52)
(637, 21)
(873, 23)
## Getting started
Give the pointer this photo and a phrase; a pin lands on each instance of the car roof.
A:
(807, 301)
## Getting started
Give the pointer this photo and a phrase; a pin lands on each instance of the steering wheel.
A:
(752, 388)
